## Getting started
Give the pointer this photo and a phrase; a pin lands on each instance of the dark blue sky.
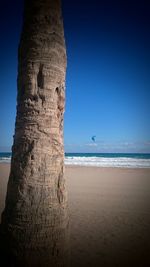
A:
(108, 84)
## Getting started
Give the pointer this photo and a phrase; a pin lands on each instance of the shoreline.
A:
(67, 166)
(100, 160)
(106, 167)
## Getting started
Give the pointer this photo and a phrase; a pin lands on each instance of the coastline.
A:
(109, 215)
(111, 160)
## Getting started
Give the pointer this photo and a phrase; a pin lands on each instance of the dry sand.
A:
(109, 215)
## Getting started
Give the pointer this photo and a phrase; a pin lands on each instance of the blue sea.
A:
(124, 160)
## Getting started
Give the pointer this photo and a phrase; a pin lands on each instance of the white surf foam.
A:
(101, 162)
(5, 159)
(108, 162)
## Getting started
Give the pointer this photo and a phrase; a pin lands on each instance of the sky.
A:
(107, 80)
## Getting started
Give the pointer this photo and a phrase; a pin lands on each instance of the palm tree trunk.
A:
(35, 218)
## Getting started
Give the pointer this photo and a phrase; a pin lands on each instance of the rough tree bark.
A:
(35, 217)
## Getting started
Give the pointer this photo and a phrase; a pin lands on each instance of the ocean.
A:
(124, 160)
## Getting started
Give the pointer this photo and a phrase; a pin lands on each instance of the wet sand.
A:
(109, 215)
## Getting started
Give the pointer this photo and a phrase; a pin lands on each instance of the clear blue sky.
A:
(107, 83)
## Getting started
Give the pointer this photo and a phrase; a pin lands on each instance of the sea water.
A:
(109, 160)
(124, 160)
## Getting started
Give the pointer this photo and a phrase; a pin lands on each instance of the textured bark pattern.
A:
(35, 217)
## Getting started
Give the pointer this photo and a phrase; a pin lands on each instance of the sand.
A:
(109, 215)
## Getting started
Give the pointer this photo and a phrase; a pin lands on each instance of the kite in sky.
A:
(93, 138)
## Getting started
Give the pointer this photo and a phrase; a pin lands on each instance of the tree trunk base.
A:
(52, 254)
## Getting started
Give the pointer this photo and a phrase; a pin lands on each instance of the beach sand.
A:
(109, 215)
